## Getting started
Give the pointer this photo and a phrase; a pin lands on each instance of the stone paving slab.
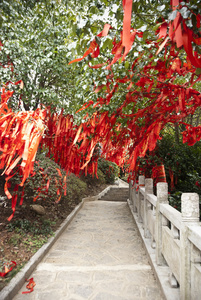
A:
(99, 256)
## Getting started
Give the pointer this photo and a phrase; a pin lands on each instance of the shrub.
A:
(26, 226)
(182, 163)
(175, 200)
(48, 182)
(93, 180)
(125, 178)
(101, 177)
(75, 188)
(185, 163)
(109, 169)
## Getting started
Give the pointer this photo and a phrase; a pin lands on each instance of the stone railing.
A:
(172, 239)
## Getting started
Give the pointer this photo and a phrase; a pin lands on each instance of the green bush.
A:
(101, 177)
(75, 188)
(93, 180)
(27, 226)
(175, 200)
(47, 172)
(125, 178)
(184, 161)
(109, 169)
(179, 159)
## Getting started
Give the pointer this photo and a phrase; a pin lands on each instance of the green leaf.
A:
(173, 15)
(198, 71)
(161, 7)
(127, 65)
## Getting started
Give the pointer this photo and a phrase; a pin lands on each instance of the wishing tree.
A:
(153, 96)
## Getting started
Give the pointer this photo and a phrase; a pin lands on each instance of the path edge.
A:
(16, 283)
(161, 272)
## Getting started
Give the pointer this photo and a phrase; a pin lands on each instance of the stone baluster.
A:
(140, 199)
(141, 180)
(190, 216)
(133, 196)
(148, 190)
(162, 197)
(130, 189)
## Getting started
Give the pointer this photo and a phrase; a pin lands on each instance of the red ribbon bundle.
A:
(7, 268)
(158, 173)
(30, 286)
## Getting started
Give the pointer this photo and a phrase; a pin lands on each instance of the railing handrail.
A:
(172, 214)
(194, 235)
(176, 236)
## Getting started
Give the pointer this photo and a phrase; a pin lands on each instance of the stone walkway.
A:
(98, 257)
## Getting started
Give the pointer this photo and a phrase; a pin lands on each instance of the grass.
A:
(36, 228)
(32, 235)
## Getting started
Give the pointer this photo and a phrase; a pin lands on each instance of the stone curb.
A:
(17, 282)
(103, 192)
(161, 272)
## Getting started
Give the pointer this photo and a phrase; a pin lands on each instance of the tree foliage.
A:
(133, 77)
(39, 39)
(36, 37)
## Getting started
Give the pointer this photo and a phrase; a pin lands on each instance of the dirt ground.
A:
(28, 231)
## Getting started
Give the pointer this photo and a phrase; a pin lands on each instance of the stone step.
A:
(116, 194)
(118, 191)
(119, 188)
(112, 190)
(114, 200)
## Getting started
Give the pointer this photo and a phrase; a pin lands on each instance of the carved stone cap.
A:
(141, 180)
(149, 185)
(190, 207)
(162, 192)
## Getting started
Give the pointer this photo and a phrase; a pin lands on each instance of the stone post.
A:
(148, 190)
(130, 186)
(162, 197)
(190, 207)
(140, 198)
(134, 200)
(190, 215)
(133, 196)
(141, 180)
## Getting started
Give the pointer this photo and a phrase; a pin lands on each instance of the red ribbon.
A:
(7, 269)
(29, 286)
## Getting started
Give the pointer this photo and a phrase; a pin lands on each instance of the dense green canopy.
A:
(91, 73)
(40, 37)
